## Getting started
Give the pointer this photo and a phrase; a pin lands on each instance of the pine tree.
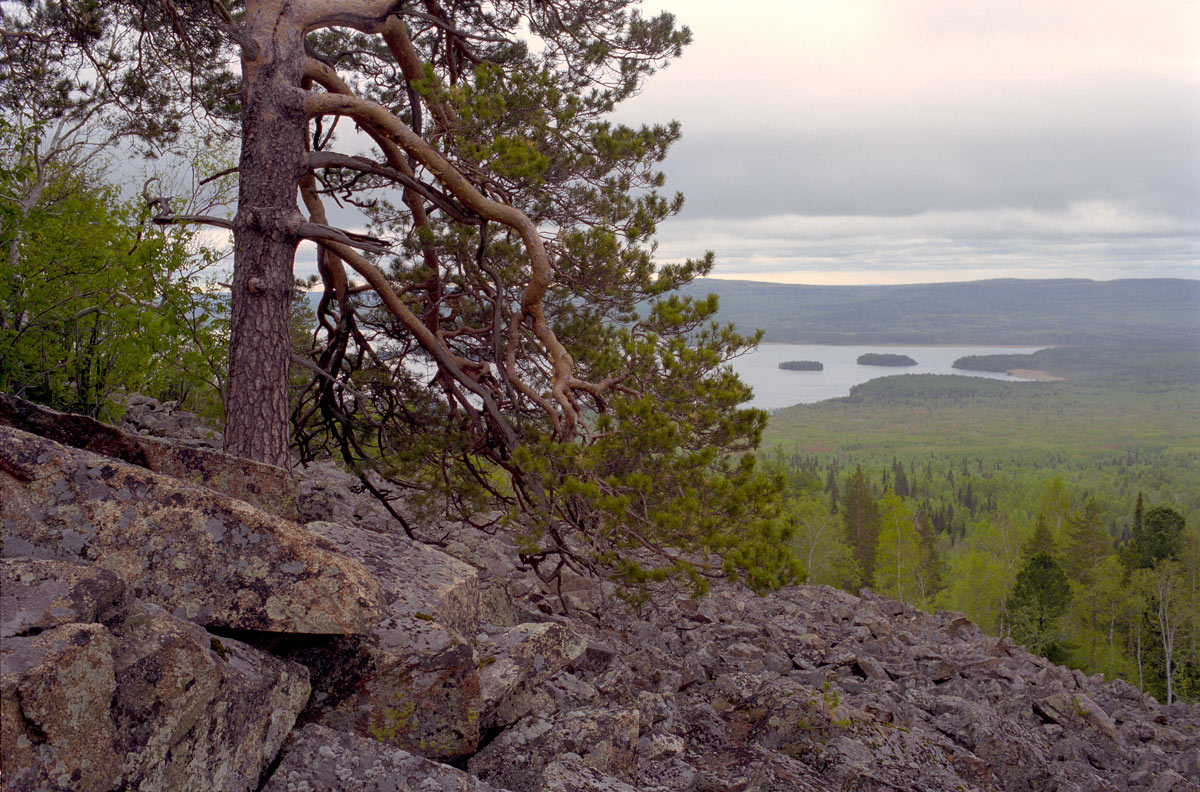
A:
(1088, 544)
(1040, 596)
(1042, 541)
(860, 516)
(500, 339)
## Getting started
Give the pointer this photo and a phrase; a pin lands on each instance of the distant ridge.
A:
(1133, 311)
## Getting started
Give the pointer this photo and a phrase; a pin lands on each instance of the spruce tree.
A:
(860, 516)
(1040, 596)
(1042, 541)
(1161, 536)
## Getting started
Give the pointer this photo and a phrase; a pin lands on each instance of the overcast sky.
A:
(901, 141)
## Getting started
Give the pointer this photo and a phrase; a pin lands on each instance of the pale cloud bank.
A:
(1095, 239)
(887, 141)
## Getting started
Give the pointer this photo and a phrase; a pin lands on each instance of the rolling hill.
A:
(1003, 311)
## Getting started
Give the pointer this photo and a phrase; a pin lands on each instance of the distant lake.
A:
(774, 387)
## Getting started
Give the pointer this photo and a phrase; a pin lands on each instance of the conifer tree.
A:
(1160, 536)
(1132, 549)
(1042, 541)
(1089, 544)
(860, 516)
(1040, 596)
(500, 335)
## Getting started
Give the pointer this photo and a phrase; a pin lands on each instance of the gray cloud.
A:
(865, 139)
(1091, 239)
(906, 170)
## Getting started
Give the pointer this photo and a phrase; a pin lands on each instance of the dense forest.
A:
(1063, 515)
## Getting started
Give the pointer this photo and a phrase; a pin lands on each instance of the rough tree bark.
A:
(265, 232)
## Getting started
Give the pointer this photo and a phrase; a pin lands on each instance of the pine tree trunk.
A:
(272, 161)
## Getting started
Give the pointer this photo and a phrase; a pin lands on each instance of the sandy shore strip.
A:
(1033, 374)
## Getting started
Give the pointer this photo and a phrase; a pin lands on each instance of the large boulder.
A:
(318, 759)
(605, 739)
(56, 727)
(268, 487)
(195, 711)
(413, 680)
(205, 557)
(101, 692)
(514, 664)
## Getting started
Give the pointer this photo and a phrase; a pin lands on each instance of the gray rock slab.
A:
(37, 594)
(514, 662)
(318, 759)
(209, 558)
(416, 680)
(570, 773)
(606, 739)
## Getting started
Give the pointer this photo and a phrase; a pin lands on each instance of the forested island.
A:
(802, 365)
(885, 359)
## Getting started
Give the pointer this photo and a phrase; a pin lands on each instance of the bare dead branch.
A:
(324, 159)
(320, 372)
(174, 219)
(326, 233)
(217, 175)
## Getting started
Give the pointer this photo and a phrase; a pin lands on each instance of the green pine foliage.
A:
(653, 479)
(860, 517)
(1039, 597)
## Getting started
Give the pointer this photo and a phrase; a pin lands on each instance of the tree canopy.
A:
(494, 330)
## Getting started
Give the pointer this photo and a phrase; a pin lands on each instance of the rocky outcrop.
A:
(206, 557)
(102, 692)
(148, 417)
(317, 759)
(265, 486)
(160, 636)
(327, 493)
(413, 680)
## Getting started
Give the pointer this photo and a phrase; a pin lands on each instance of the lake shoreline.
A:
(774, 387)
(898, 345)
